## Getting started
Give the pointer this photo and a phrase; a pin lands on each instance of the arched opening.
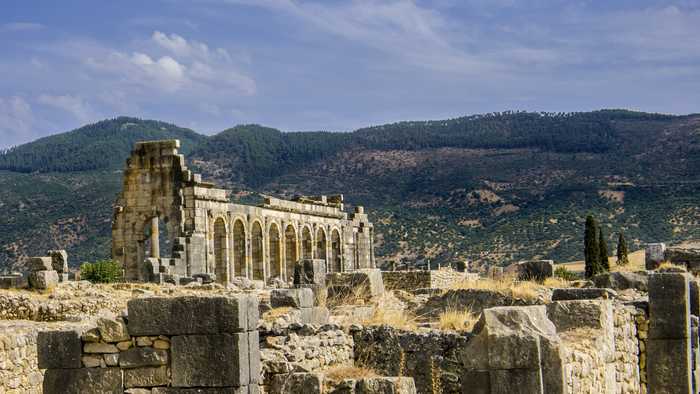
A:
(275, 260)
(290, 246)
(321, 246)
(335, 252)
(307, 246)
(220, 251)
(156, 233)
(257, 251)
(239, 264)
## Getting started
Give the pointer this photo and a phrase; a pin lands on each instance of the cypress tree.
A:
(603, 246)
(591, 251)
(622, 258)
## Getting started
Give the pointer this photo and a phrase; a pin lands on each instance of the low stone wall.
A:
(476, 299)
(413, 280)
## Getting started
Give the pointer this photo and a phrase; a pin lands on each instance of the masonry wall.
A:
(413, 280)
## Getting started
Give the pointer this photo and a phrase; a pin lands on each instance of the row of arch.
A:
(259, 254)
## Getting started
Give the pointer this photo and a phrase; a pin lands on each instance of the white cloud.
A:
(74, 105)
(181, 47)
(34, 60)
(17, 121)
(210, 108)
(22, 26)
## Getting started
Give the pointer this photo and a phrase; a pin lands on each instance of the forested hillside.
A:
(492, 188)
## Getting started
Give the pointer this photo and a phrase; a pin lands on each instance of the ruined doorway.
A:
(156, 233)
(275, 260)
(290, 246)
(220, 251)
(321, 246)
(239, 247)
(257, 252)
(307, 246)
(335, 252)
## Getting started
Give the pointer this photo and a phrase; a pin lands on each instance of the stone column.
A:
(393, 266)
(153, 241)
(669, 368)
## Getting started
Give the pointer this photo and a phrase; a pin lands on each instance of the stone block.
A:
(538, 270)
(59, 261)
(623, 280)
(654, 256)
(43, 279)
(516, 381)
(316, 315)
(39, 264)
(113, 329)
(385, 385)
(206, 278)
(146, 377)
(254, 356)
(320, 293)
(191, 315)
(514, 351)
(368, 281)
(221, 390)
(59, 349)
(216, 360)
(310, 272)
(63, 278)
(139, 357)
(694, 298)
(476, 381)
(669, 366)
(595, 314)
(669, 306)
(307, 383)
(83, 381)
(294, 298)
(582, 294)
(496, 274)
(253, 311)
(12, 282)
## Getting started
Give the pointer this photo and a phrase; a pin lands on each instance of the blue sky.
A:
(337, 65)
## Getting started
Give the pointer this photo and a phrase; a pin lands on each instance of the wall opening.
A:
(257, 251)
(275, 246)
(220, 251)
(239, 255)
(290, 246)
(336, 264)
(158, 238)
(321, 246)
(307, 246)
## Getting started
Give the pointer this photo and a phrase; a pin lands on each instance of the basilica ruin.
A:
(208, 234)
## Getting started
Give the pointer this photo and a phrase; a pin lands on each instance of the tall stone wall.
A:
(210, 235)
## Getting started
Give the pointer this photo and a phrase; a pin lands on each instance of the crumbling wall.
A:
(413, 280)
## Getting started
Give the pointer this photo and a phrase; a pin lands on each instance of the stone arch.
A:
(275, 242)
(321, 245)
(257, 251)
(142, 225)
(307, 243)
(335, 262)
(221, 268)
(290, 246)
(240, 265)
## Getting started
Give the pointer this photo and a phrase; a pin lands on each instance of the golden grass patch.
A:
(459, 319)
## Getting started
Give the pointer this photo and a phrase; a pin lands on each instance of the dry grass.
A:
(671, 265)
(399, 319)
(272, 315)
(462, 319)
(517, 289)
(345, 372)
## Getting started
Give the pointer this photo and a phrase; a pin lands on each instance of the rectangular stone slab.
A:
(220, 390)
(669, 366)
(59, 349)
(669, 306)
(83, 381)
(189, 315)
(214, 360)
(254, 356)
(146, 377)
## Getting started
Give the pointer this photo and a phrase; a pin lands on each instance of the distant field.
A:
(636, 260)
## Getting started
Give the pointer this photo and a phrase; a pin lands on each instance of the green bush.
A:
(104, 271)
(562, 272)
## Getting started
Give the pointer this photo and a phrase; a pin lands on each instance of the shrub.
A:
(562, 272)
(105, 271)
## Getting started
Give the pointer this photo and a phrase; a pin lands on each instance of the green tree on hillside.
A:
(603, 246)
(622, 258)
(591, 250)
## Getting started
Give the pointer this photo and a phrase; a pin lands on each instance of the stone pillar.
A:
(407, 266)
(393, 266)
(153, 241)
(654, 256)
(496, 274)
(669, 368)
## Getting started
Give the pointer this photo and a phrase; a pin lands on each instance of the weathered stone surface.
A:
(83, 381)
(516, 381)
(309, 271)
(535, 270)
(97, 347)
(695, 297)
(138, 357)
(59, 261)
(43, 279)
(9, 282)
(595, 314)
(669, 306)
(385, 385)
(476, 381)
(669, 366)
(255, 368)
(623, 280)
(307, 383)
(215, 360)
(113, 329)
(93, 361)
(191, 315)
(222, 390)
(654, 256)
(39, 264)
(368, 281)
(582, 294)
(146, 377)
(92, 335)
(316, 315)
(294, 298)
(59, 349)
(112, 360)
(206, 278)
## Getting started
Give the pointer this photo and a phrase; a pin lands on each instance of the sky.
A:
(337, 65)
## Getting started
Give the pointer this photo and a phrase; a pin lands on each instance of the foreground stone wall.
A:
(413, 280)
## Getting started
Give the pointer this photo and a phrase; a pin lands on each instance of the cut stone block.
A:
(146, 377)
(516, 381)
(367, 281)
(59, 261)
(206, 278)
(316, 315)
(222, 390)
(476, 381)
(582, 294)
(669, 306)
(695, 297)
(538, 270)
(191, 315)
(43, 279)
(669, 366)
(623, 280)
(97, 347)
(385, 385)
(307, 383)
(294, 298)
(654, 256)
(10, 282)
(39, 264)
(59, 349)
(83, 381)
(254, 356)
(215, 360)
(138, 357)
(113, 329)
(307, 272)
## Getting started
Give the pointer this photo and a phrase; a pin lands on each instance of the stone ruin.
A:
(211, 236)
